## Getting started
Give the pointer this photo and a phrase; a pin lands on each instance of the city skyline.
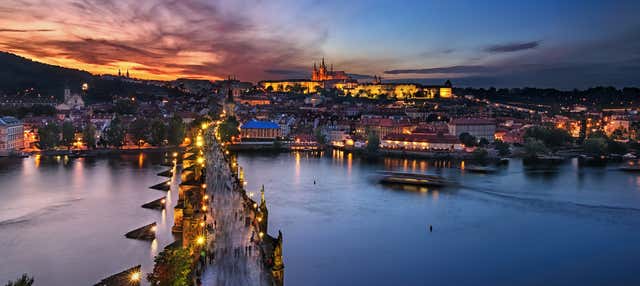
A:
(574, 44)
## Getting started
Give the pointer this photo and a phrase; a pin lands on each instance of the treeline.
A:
(596, 96)
(155, 131)
(543, 140)
(21, 112)
(19, 74)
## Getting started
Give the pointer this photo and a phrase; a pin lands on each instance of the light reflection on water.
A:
(519, 226)
(63, 220)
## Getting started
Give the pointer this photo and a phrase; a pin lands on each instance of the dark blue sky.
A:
(562, 44)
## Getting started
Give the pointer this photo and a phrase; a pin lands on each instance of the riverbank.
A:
(106, 151)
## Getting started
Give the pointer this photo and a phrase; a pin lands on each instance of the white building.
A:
(11, 135)
(478, 127)
(71, 101)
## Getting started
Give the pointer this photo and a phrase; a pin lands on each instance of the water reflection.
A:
(488, 217)
(74, 211)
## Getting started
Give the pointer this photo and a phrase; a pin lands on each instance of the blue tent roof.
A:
(255, 124)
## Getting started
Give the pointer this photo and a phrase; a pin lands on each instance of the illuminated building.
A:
(292, 85)
(260, 130)
(11, 134)
(71, 101)
(229, 107)
(481, 128)
(326, 78)
(422, 142)
(324, 74)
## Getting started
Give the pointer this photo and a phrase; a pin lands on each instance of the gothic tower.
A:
(264, 213)
(229, 105)
(278, 266)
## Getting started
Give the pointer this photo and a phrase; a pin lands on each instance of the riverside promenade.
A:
(240, 252)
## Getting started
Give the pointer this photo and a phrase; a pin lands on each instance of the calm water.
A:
(64, 221)
(564, 226)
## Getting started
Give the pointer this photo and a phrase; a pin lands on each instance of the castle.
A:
(322, 74)
(325, 79)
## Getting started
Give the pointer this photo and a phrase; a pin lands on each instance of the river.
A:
(562, 226)
(63, 221)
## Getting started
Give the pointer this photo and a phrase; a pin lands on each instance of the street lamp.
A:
(135, 276)
(200, 240)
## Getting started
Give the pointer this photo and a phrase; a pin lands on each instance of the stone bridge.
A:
(222, 225)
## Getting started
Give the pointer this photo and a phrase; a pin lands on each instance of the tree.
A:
(175, 131)
(534, 147)
(480, 155)
(158, 133)
(277, 145)
(115, 133)
(320, 137)
(24, 280)
(619, 134)
(125, 106)
(172, 268)
(615, 147)
(89, 135)
(139, 130)
(228, 128)
(468, 139)
(68, 134)
(503, 148)
(551, 137)
(596, 146)
(49, 136)
(373, 142)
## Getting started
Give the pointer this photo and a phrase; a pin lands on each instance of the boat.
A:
(630, 168)
(480, 169)
(414, 179)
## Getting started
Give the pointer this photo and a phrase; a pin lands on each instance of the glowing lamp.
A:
(135, 276)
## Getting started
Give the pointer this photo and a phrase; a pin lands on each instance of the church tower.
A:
(67, 94)
(229, 105)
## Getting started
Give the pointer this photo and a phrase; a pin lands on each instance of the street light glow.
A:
(135, 276)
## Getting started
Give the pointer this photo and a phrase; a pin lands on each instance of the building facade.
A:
(11, 135)
(422, 142)
(326, 78)
(481, 128)
(324, 74)
(259, 130)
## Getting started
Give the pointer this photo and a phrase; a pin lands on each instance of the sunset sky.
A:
(480, 43)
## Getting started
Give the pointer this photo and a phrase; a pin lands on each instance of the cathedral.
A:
(324, 74)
